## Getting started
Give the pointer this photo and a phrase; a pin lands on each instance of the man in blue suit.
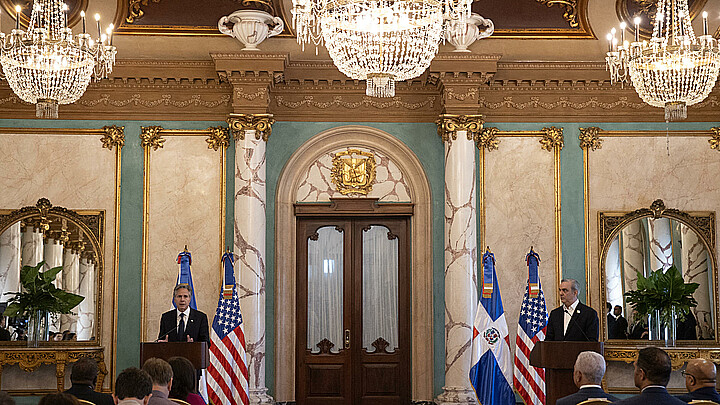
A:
(588, 374)
(700, 377)
(652, 373)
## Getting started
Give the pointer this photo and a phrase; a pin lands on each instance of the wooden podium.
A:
(558, 359)
(196, 352)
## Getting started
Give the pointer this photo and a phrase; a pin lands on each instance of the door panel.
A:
(353, 311)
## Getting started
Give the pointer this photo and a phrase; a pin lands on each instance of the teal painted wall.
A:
(421, 138)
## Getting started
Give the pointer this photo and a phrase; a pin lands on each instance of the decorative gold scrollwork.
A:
(150, 137)
(714, 140)
(114, 137)
(590, 138)
(570, 6)
(353, 172)
(487, 138)
(260, 123)
(219, 138)
(450, 124)
(552, 138)
(135, 11)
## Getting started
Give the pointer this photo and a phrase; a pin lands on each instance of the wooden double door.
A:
(353, 310)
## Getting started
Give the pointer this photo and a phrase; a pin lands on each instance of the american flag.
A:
(227, 380)
(529, 381)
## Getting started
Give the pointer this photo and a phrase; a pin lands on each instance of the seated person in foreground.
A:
(84, 378)
(652, 374)
(700, 381)
(133, 387)
(184, 384)
(587, 375)
(161, 375)
(573, 320)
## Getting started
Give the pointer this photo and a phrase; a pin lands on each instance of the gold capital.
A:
(552, 138)
(219, 137)
(450, 124)
(150, 137)
(590, 138)
(114, 137)
(260, 123)
(714, 140)
(487, 138)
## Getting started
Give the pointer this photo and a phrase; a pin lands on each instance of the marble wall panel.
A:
(184, 209)
(316, 184)
(72, 171)
(520, 213)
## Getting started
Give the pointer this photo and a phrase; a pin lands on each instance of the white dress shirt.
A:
(567, 314)
(177, 320)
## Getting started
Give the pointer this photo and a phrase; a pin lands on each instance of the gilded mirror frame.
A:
(92, 223)
(701, 222)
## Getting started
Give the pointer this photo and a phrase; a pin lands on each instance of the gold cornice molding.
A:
(260, 123)
(150, 138)
(714, 140)
(552, 139)
(590, 138)
(487, 139)
(448, 126)
(219, 137)
(114, 136)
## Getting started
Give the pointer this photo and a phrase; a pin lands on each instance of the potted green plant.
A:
(664, 295)
(38, 298)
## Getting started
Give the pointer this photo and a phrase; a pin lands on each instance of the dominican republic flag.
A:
(529, 381)
(491, 371)
(227, 374)
(184, 261)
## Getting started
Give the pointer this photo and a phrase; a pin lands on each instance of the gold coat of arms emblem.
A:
(353, 171)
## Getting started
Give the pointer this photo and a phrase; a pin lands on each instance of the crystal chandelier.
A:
(674, 69)
(46, 65)
(380, 41)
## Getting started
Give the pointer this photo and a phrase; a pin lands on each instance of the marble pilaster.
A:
(460, 261)
(251, 134)
(71, 283)
(86, 309)
(660, 243)
(32, 246)
(10, 242)
(54, 258)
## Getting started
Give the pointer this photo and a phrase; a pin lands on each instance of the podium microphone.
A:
(164, 335)
(576, 324)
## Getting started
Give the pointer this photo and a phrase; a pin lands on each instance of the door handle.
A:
(347, 338)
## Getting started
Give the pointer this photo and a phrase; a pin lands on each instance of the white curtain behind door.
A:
(325, 289)
(380, 287)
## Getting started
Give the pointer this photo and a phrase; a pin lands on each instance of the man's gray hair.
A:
(591, 365)
(182, 285)
(574, 285)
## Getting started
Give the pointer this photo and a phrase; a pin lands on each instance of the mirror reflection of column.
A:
(54, 249)
(10, 242)
(71, 283)
(86, 288)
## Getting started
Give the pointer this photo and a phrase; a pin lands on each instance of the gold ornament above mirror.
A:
(59, 237)
(644, 241)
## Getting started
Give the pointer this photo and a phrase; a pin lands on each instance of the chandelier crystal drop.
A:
(46, 65)
(675, 68)
(380, 41)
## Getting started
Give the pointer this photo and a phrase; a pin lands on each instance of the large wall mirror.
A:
(647, 240)
(59, 237)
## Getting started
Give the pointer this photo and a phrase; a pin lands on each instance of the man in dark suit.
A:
(610, 320)
(700, 377)
(572, 320)
(652, 373)
(587, 375)
(84, 378)
(183, 324)
(620, 326)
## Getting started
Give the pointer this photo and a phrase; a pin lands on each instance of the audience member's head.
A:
(160, 372)
(6, 399)
(608, 306)
(84, 371)
(617, 311)
(59, 398)
(589, 369)
(699, 373)
(133, 383)
(652, 367)
(184, 378)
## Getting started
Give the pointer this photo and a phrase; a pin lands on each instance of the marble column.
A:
(660, 243)
(695, 269)
(10, 246)
(86, 309)
(32, 246)
(633, 260)
(460, 258)
(54, 258)
(71, 283)
(251, 134)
